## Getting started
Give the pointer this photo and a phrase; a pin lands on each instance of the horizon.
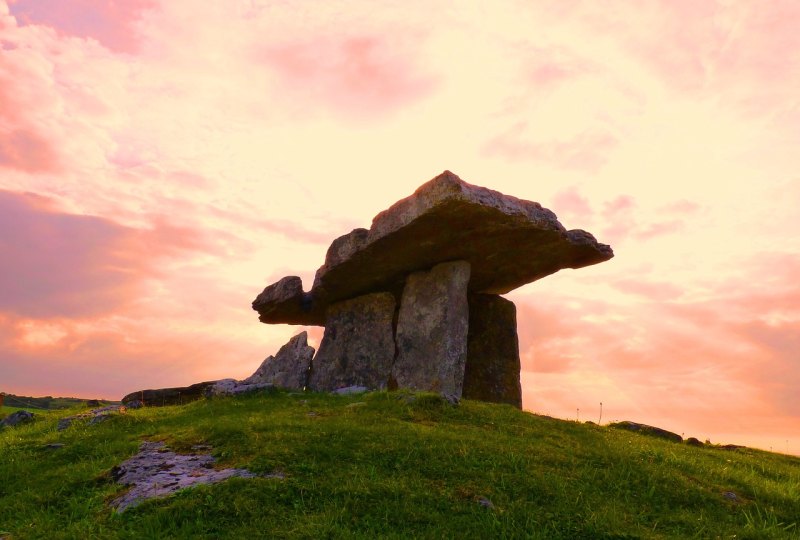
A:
(160, 165)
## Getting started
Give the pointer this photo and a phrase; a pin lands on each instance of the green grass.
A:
(391, 468)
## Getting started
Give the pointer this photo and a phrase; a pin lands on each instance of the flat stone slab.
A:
(507, 241)
(158, 472)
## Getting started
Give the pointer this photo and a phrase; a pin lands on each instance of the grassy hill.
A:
(41, 403)
(392, 465)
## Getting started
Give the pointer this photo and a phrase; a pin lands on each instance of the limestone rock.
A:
(647, 430)
(492, 369)
(507, 241)
(95, 416)
(232, 387)
(357, 348)
(16, 418)
(289, 367)
(285, 302)
(432, 330)
(169, 396)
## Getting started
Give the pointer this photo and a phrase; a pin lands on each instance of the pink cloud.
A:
(66, 265)
(587, 151)
(111, 23)
(647, 289)
(25, 150)
(570, 203)
(358, 75)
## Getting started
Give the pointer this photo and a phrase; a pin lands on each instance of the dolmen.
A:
(414, 301)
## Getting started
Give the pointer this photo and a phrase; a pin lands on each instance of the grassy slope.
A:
(393, 469)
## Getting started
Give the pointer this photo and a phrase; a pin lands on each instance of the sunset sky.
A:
(161, 162)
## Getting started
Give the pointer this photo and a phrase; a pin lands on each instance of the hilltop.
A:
(390, 465)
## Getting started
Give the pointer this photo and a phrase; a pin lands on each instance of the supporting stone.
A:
(432, 330)
(357, 348)
(492, 368)
(289, 367)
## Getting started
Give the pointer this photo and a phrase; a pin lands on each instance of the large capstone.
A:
(507, 241)
(432, 330)
(357, 348)
(492, 368)
(289, 367)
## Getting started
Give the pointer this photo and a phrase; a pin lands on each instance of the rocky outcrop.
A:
(16, 418)
(644, 429)
(507, 241)
(289, 367)
(168, 396)
(492, 369)
(357, 348)
(156, 472)
(432, 330)
(95, 416)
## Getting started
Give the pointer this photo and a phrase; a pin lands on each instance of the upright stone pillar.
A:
(492, 368)
(432, 330)
(357, 348)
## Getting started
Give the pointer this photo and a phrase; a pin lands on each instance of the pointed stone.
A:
(492, 369)
(432, 330)
(289, 367)
(357, 348)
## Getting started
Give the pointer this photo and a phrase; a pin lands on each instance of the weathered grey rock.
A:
(156, 472)
(169, 396)
(492, 369)
(432, 330)
(289, 367)
(283, 302)
(350, 390)
(232, 387)
(95, 416)
(647, 430)
(508, 242)
(16, 418)
(357, 348)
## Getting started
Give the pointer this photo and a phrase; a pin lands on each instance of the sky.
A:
(161, 162)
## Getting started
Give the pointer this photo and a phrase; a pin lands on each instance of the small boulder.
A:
(17, 418)
(692, 441)
(644, 429)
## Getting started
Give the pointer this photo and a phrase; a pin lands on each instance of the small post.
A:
(600, 420)
(578, 417)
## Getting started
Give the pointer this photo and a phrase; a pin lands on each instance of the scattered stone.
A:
(432, 330)
(232, 387)
(350, 390)
(95, 416)
(692, 441)
(135, 404)
(486, 503)
(169, 396)
(16, 418)
(647, 430)
(730, 447)
(158, 472)
(493, 366)
(92, 403)
(508, 241)
(731, 496)
(357, 348)
(289, 367)
(54, 446)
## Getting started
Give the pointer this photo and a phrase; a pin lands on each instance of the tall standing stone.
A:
(432, 330)
(492, 369)
(357, 348)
